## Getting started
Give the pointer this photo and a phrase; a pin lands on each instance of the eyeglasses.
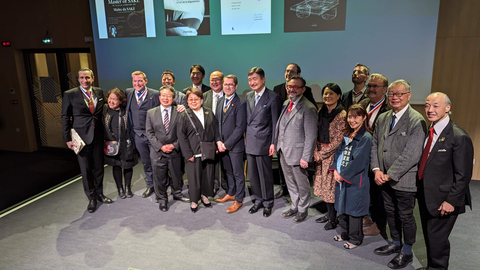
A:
(166, 96)
(374, 86)
(228, 84)
(293, 87)
(398, 94)
(193, 99)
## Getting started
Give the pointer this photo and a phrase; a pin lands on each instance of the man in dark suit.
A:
(140, 99)
(291, 70)
(444, 174)
(82, 109)
(376, 104)
(197, 73)
(161, 128)
(210, 100)
(358, 93)
(295, 140)
(396, 150)
(232, 122)
(263, 109)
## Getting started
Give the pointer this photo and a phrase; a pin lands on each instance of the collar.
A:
(441, 125)
(401, 112)
(218, 94)
(261, 92)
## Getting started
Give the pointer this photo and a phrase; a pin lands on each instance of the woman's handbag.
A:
(111, 148)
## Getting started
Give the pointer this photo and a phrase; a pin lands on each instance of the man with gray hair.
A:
(444, 174)
(396, 150)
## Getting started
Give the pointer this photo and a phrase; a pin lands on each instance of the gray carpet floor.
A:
(56, 232)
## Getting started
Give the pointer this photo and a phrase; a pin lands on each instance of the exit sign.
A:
(6, 44)
(47, 41)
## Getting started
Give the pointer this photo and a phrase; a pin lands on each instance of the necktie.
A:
(425, 154)
(393, 122)
(257, 98)
(166, 120)
(290, 106)
(91, 106)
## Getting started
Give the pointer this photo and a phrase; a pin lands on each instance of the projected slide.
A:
(187, 17)
(125, 18)
(314, 15)
(240, 17)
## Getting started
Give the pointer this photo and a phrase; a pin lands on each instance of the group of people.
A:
(368, 146)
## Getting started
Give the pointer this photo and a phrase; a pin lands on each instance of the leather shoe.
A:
(194, 210)
(102, 198)
(330, 225)
(387, 249)
(255, 208)
(182, 198)
(289, 213)
(400, 261)
(267, 211)
(322, 219)
(92, 206)
(121, 193)
(148, 192)
(225, 198)
(300, 217)
(234, 207)
(163, 206)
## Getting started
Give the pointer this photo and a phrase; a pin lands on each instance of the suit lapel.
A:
(263, 100)
(230, 108)
(251, 102)
(439, 144)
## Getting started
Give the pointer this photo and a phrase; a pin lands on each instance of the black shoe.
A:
(387, 249)
(279, 194)
(148, 192)
(208, 205)
(92, 206)
(163, 206)
(182, 198)
(289, 213)
(322, 219)
(330, 225)
(121, 193)
(300, 217)
(267, 211)
(102, 198)
(400, 261)
(194, 210)
(129, 192)
(255, 208)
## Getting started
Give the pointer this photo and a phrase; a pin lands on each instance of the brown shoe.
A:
(367, 221)
(234, 207)
(225, 198)
(372, 230)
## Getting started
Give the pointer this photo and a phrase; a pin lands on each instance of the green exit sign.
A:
(47, 41)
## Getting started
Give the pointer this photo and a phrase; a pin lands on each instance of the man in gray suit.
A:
(161, 127)
(263, 109)
(295, 140)
(396, 151)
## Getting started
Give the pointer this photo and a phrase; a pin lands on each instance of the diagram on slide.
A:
(314, 15)
(323, 8)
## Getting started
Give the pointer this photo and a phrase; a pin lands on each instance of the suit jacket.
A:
(299, 132)
(448, 171)
(261, 121)
(397, 152)
(187, 138)
(347, 98)
(208, 100)
(282, 92)
(151, 101)
(232, 124)
(77, 115)
(205, 88)
(158, 136)
(385, 107)
(180, 99)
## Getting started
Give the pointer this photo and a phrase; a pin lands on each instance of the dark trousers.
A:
(351, 228)
(220, 174)
(143, 146)
(232, 162)
(331, 212)
(200, 178)
(117, 176)
(399, 207)
(261, 179)
(436, 231)
(377, 209)
(167, 164)
(90, 160)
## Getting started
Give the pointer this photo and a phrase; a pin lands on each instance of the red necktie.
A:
(91, 106)
(425, 154)
(290, 107)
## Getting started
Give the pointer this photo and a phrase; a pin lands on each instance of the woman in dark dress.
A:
(350, 171)
(200, 173)
(114, 115)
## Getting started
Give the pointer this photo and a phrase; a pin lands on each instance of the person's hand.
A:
(446, 208)
(181, 108)
(166, 149)
(190, 159)
(271, 151)
(386, 178)
(379, 177)
(70, 145)
(337, 177)
(303, 164)
(221, 147)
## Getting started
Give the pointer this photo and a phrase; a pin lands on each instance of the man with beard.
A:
(359, 78)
